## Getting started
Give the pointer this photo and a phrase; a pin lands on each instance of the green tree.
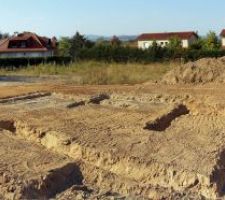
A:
(115, 41)
(64, 46)
(175, 43)
(198, 44)
(79, 42)
(154, 45)
(102, 42)
(211, 42)
(155, 51)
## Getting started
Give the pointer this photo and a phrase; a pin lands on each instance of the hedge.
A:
(21, 62)
(127, 54)
(118, 54)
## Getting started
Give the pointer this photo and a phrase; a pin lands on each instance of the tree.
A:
(155, 51)
(115, 41)
(79, 42)
(89, 44)
(155, 46)
(175, 43)
(102, 42)
(64, 46)
(198, 44)
(3, 35)
(211, 41)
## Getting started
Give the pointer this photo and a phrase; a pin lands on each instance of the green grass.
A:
(92, 72)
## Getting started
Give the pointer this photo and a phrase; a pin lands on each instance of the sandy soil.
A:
(149, 141)
(205, 70)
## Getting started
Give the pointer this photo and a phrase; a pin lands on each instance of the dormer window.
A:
(17, 44)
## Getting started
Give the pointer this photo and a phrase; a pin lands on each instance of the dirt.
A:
(206, 70)
(150, 141)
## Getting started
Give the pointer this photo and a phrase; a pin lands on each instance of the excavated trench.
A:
(97, 99)
(76, 104)
(30, 96)
(164, 122)
(8, 125)
(218, 175)
(78, 173)
(57, 181)
(124, 175)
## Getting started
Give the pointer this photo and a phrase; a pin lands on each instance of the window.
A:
(146, 45)
(23, 44)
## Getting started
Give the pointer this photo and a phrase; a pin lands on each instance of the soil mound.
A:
(205, 70)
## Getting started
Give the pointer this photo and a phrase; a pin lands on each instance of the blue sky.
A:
(109, 17)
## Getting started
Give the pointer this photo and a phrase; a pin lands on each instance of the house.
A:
(222, 35)
(27, 44)
(162, 39)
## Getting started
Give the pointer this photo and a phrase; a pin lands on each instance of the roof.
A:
(222, 34)
(36, 43)
(167, 35)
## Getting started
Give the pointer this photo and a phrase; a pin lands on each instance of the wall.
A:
(223, 41)
(146, 44)
(190, 42)
(26, 54)
(185, 43)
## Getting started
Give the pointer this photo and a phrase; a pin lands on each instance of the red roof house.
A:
(222, 34)
(27, 44)
(145, 40)
(167, 35)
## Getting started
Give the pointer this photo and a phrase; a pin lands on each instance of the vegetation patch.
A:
(98, 73)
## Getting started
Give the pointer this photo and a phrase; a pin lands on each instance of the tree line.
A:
(80, 48)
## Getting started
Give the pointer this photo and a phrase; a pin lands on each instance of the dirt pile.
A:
(205, 70)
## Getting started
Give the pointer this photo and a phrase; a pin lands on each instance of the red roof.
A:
(222, 34)
(167, 35)
(32, 42)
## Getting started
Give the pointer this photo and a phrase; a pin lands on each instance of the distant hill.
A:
(121, 37)
(128, 37)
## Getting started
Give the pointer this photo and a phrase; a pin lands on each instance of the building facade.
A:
(27, 44)
(222, 35)
(162, 39)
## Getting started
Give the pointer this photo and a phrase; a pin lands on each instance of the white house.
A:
(27, 44)
(162, 39)
(222, 35)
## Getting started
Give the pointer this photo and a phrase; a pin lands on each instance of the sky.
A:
(111, 17)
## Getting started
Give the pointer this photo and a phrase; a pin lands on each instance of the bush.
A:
(192, 55)
(119, 54)
(109, 53)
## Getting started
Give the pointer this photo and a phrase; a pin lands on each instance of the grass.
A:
(91, 72)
